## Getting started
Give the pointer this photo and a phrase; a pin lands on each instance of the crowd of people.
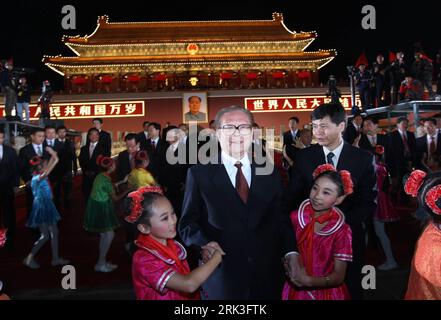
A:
(205, 189)
(387, 83)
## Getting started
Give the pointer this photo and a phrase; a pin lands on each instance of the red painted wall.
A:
(170, 110)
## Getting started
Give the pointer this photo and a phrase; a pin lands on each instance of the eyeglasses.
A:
(230, 129)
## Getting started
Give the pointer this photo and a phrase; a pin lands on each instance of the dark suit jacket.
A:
(68, 157)
(382, 140)
(397, 152)
(25, 154)
(357, 207)
(123, 166)
(422, 148)
(105, 141)
(350, 133)
(255, 236)
(88, 164)
(57, 147)
(9, 169)
(142, 140)
(157, 157)
(287, 137)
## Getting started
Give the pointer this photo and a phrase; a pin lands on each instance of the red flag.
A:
(423, 56)
(362, 60)
(392, 56)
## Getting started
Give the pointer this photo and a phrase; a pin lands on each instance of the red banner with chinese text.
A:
(294, 103)
(84, 110)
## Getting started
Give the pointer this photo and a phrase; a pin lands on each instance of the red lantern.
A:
(278, 75)
(304, 75)
(79, 80)
(226, 75)
(160, 77)
(134, 78)
(106, 79)
(251, 76)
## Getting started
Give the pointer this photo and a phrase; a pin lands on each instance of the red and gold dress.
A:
(425, 274)
(332, 242)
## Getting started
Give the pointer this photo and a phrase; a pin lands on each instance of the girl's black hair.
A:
(430, 181)
(334, 177)
(147, 207)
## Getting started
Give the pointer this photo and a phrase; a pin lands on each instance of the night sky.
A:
(31, 29)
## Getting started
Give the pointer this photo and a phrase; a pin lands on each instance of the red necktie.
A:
(432, 147)
(241, 183)
(406, 146)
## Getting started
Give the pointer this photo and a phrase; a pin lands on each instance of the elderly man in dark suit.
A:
(9, 181)
(234, 204)
(328, 123)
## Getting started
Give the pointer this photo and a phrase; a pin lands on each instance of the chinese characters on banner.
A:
(295, 103)
(83, 110)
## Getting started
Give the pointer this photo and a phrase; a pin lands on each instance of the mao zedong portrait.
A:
(194, 104)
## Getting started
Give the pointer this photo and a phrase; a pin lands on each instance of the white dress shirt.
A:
(403, 134)
(1, 152)
(36, 146)
(429, 139)
(50, 143)
(92, 148)
(229, 163)
(372, 139)
(336, 152)
(155, 140)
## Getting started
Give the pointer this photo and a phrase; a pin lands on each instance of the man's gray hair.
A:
(223, 111)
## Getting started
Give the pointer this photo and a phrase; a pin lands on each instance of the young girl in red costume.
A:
(425, 274)
(160, 270)
(323, 238)
(385, 211)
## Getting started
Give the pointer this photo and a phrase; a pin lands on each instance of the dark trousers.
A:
(63, 181)
(7, 216)
(365, 97)
(353, 273)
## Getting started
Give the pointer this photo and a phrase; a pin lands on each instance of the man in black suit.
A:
(353, 129)
(289, 138)
(236, 205)
(370, 138)
(404, 156)
(328, 123)
(87, 159)
(9, 182)
(143, 136)
(125, 161)
(105, 138)
(156, 149)
(50, 140)
(429, 145)
(175, 169)
(67, 167)
(35, 148)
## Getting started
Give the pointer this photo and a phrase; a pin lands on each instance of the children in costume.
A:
(44, 214)
(385, 211)
(425, 274)
(160, 270)
(323, 238)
